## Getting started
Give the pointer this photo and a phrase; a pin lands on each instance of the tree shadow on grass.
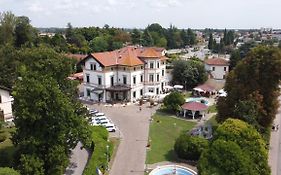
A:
(7, 156)
(171, 156)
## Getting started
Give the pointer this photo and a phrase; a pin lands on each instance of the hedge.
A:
(98, 157)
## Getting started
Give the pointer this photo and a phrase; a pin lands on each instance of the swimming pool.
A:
(197, 99)
(172, 170)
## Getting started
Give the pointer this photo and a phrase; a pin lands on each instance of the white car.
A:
(95, 123)
(93, 111)
(99, 114)
(100, 118)
(110, 127)
(105, 122)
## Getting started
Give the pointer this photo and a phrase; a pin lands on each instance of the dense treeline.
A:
(225, 45)
(18, 31)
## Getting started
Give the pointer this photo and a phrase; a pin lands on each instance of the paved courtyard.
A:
(134, 128)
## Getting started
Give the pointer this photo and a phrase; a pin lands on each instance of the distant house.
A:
(217, 68)
(125, 74)
(5, 104)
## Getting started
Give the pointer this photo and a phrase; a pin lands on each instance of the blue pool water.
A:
(199, 99)
(172, 170)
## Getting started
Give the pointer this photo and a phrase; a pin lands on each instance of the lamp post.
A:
(107, 157)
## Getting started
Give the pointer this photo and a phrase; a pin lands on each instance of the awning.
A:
(194, 106)
(97, 91)
(198, 89)
(118, 88)
(178, 86)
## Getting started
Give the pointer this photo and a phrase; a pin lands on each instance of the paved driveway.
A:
(134, 128)
(275, 148)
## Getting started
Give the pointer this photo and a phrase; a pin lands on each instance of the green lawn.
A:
(213, 108)
(164, 130)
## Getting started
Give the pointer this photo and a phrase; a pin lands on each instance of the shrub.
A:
(173, 101)
(98, 158)
(8, 171)
(190, 148)
(3, 137)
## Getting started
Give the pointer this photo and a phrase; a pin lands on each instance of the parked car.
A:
(101, 118)
(99, 114)
(105, 122)
(95, 123)
(93, 111)
(110, 127)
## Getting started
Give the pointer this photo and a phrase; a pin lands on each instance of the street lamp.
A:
(107, 157)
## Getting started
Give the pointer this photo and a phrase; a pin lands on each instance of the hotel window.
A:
(141, 92)
(134, 79)
(99, 80)
(158, 64)
(163, 72)
(88, 78)
(95, 67)
(91, 66)
(151, 65)
(141, 78)
(213, 68)
(134, 69)
(150, 89)
(124, 80)
(224, 68)
(124, 68)
(157, 77)
(157, 91)
(151, 77)
(88, 92)
(112, 80)
(134, 94)
(141, 67)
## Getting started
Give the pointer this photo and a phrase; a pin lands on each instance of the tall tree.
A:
(188, 73)
(47, 123)
(136, 36)
(211, 42)
(24, 32)
(7, 27)
(258, 72)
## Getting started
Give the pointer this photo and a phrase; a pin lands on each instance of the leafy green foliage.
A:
(99, 156)
(237, 147)
(188, 73)
(190, 148)
(173, 101)
(30, 164)
(256, 78)
(8, 171)
(225, 157)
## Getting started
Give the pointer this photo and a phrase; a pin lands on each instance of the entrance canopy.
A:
(118, 88)
(97, 91)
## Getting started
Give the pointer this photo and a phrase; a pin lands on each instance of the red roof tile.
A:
(128, 56)
(194, 106)
(217, 61)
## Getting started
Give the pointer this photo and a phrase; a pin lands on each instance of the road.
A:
(78, 161)
(275, 146)
(134, 127)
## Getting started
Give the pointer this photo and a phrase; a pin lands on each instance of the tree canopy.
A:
(256, 77)
(173, 101)
(237, 148)
(188, 73)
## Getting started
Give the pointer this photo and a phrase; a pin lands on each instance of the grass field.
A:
(164, 130)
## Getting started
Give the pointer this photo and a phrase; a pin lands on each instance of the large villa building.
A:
(125, 74)
(217, 68)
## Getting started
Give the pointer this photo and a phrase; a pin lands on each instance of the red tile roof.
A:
(194, 106)
(128, 56)
(217, 62)
(205, 87)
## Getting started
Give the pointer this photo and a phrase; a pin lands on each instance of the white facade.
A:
(217, 71)
(5, 104)
(101, 83)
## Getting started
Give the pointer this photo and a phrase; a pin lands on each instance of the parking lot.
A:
(134, 127)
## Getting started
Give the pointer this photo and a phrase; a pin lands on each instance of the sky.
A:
(199, 14)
